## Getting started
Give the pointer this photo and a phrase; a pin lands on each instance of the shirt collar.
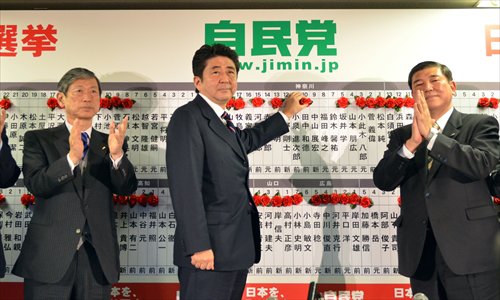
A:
(217, 109)
(88, 130)
(444, 119)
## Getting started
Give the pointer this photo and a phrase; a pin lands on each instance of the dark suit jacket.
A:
(455, 199)
(494, 182)
(65, 199)
(208, 178)
(9, 172)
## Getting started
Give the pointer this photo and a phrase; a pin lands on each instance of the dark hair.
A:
(73, 75)
(206, 52)
(429, 64)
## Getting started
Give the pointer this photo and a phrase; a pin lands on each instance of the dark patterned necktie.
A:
(229, 122)
(85, 140)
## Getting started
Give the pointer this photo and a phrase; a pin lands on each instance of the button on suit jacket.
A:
(454, 196)
(65, 200)
(9, 172)
(208, 179)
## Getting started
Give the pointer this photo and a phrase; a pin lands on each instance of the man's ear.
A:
(197, 81)
(60, 99)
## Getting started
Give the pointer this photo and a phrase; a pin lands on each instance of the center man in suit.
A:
(441, 163)
(217, 236)
(70, 250)
(9, 172)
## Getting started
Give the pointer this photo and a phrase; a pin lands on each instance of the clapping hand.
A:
(116, 138)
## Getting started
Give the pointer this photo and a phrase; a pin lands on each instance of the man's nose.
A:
(427, 86)
(88, 95)
(223, 77)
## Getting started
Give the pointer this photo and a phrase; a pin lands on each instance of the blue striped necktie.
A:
(229, 122)
(85, 140)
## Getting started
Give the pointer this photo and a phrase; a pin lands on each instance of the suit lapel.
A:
(451, 130)
(219, 128)
(61, 143)
(98, 150)
(60, 136)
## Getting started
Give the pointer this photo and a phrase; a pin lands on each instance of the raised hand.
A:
(292, 104)
(3, 116)
(116, 138)
(422, 114)
(75, 142)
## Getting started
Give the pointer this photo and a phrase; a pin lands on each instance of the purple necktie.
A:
(229, 122)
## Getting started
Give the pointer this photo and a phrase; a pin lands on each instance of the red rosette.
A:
(276, 102)
(127, 103)
(265, 200)
(257, 101)
(153, 200)
(52, 103)
(297, 198)
(343, 102)
(305, 101)
(239, 103)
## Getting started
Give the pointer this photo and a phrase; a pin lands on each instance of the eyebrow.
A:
(421, 80)
(220, 67)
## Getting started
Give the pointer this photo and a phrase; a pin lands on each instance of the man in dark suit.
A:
(70, 250)
(9, 172)
(495, 182)
(441, 163)
(217, 236)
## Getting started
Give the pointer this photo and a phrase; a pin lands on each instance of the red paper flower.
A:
(257, 199)
(27, 200)
(334, 198)
(52, 103)
(366, 202)
(132, 200)
(153, 199)
(297, 198)
(128, 103)
(483, 102)
(2, 198)
(230, 103)
(287, 201)
(305, 101)
(351, 199)
(265, 200)
(277, 200)
(5, 103)
(400, 102)
(360, 101)
(122, 199)
(390, 103)
(493, 102)
(115, 101)
(257, 101)
(315, 199)
(409, 101)
(105, 103)
(143, 200)
(239, 103)
(371, 102)
(110, 102)
(496, 200)
(354, 199)
(380, 101)
(343, 102)
(276, 102)
(344, 199)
